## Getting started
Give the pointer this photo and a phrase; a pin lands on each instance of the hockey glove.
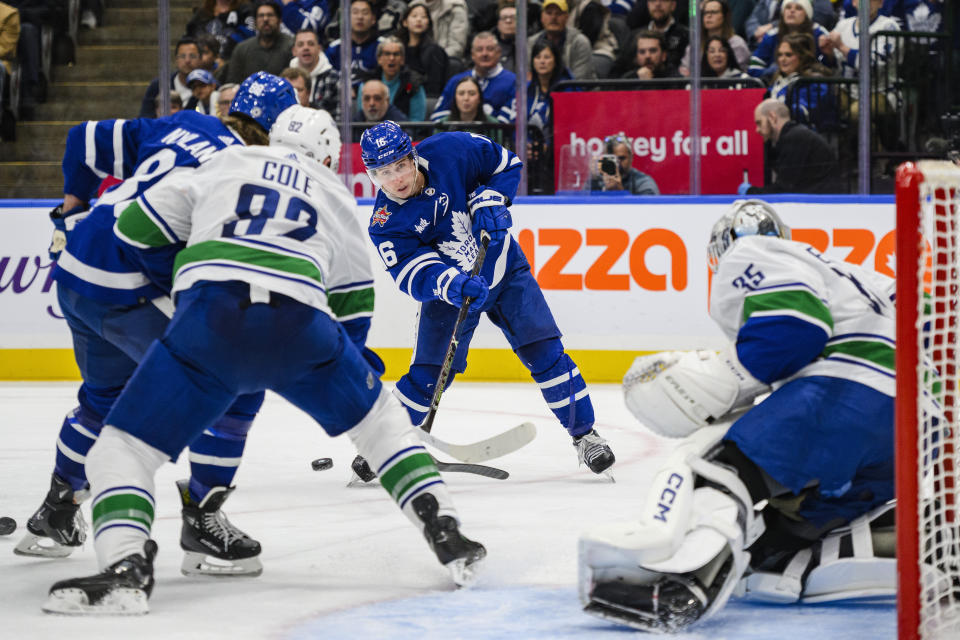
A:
(462, 286)
(63, 224)
(489, 211)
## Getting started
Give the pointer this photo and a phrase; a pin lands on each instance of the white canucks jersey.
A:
(795, 313)
(262, 215)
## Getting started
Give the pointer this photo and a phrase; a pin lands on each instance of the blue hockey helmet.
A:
(384, 143)
(262, 97)
(744, 218)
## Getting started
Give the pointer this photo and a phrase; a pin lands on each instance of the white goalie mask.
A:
(311, 132)
(745, 218)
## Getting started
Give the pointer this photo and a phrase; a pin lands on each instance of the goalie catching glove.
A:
(674, 393)
(488, 209)
(63, 224)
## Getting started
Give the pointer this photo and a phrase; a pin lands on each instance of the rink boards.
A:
(623, 276)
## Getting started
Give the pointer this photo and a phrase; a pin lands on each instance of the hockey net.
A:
(928, 400)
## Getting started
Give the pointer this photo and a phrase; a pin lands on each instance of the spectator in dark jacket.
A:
(423, 54)
(799, 160)
(269, 51)
(187, 58)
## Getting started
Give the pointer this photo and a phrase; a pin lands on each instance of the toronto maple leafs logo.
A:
(464, 247)
(420, 226)
(380, 216)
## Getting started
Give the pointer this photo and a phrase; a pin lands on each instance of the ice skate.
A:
(121, 590)
(57, 527)
(594, 452)
(459, 554)
(212, 545)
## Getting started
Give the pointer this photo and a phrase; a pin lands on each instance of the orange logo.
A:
(616, 243)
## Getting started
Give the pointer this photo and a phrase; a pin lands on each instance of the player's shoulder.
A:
(446, 145)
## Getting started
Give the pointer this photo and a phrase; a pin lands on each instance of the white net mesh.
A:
(938, 404)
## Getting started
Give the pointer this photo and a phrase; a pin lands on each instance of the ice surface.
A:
(344, 563)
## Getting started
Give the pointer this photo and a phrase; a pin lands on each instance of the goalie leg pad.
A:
(850, 562)
(675, 393)
(688, 547)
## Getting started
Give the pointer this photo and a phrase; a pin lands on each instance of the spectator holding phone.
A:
(615, 170)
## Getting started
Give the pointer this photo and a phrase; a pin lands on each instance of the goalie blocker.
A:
(704, 536)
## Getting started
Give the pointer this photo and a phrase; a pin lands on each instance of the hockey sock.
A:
(121, 469)
(387, 440)
(215, 455)
(560, 383)
(79, 431)
(415, 390)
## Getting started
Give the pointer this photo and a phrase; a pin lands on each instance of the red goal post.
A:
(928, 400)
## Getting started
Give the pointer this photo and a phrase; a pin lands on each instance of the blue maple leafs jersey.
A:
(139, 152)
(429, 237)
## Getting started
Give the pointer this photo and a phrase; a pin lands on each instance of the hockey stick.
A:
(447, 365)
(489, 472)
(493, 447)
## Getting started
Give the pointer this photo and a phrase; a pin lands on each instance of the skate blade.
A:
(36, 546)
(199, 564)
(618, 614)
(464, 575)
(610, 476)
(355, 481)
(117, 602)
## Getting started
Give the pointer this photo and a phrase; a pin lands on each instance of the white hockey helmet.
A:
(744, 218)
(311, 132)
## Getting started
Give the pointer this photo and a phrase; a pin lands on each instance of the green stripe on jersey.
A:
(136, 226)
(407, 472)
(122, 506)
(879, 353)
(351, 302)
(795, 301)
(214, 250)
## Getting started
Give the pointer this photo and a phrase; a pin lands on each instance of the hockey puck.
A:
(7, 526)
(322, 464)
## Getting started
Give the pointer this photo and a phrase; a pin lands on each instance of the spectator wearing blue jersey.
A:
(796, 16)
(363, 41)
(767, 13)
(306, 14)
(229, 21)
(187, 58)
(269, 51)
(116, 308)
(546, 70)
(498, 84)
(809, 102)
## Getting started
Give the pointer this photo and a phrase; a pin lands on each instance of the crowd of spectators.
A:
(444, 61)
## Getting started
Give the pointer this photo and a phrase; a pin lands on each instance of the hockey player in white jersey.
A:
(787, 500)
(274, 255)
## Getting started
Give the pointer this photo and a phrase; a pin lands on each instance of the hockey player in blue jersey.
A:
(433, 202)
(273, 250)
(115, 311)
(787, 499)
